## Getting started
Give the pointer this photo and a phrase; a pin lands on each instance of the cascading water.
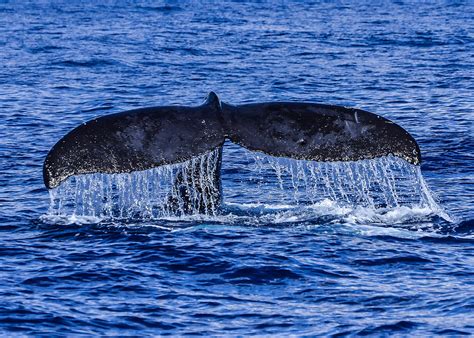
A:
(383, 183)
(153, 193)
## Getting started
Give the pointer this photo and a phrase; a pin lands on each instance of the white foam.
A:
(70, 219)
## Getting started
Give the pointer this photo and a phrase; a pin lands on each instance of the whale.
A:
(146, 138)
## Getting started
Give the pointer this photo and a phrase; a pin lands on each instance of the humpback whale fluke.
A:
(145, 138)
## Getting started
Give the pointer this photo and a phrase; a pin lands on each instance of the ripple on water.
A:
(298, 248)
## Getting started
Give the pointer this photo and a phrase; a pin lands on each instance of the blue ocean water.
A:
(264, 266)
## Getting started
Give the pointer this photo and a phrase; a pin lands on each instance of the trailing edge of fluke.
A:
(145, 138)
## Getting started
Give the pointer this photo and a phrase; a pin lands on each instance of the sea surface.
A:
(277, 259)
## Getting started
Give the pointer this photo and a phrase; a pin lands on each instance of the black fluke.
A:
(145, 138)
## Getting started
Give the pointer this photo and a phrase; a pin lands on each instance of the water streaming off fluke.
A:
(383, 183)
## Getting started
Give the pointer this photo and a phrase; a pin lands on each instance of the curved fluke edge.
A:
(317, 132)
(145, 138)
(135, 140)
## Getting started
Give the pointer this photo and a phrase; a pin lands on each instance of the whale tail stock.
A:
(145, 138)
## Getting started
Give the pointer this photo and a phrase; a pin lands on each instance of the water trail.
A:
(379, 184)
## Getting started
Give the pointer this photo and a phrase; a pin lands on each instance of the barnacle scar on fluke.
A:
(145, 138)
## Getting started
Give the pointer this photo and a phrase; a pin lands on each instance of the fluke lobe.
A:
(145, 138)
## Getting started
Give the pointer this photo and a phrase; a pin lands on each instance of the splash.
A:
(385, 186)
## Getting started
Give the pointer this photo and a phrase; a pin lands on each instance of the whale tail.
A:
(145, 138)
(317, 132)
(135, 140)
